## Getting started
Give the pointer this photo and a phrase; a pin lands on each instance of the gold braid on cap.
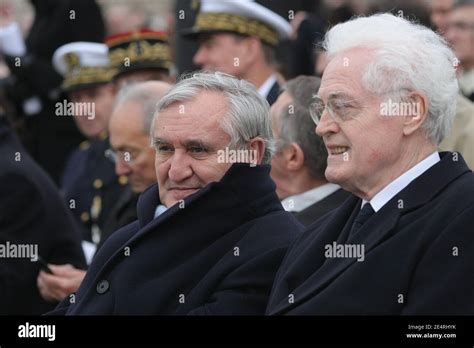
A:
(87, 75)
(235, 23)
(138, 52)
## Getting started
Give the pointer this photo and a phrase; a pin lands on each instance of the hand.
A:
(57, 286)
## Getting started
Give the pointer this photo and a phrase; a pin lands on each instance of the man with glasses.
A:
(299, 163)
(403, 244)
(212, 233)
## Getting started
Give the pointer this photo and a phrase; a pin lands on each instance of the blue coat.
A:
(419, 254)
(216, 254)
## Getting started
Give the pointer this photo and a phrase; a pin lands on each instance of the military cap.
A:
(244, 17)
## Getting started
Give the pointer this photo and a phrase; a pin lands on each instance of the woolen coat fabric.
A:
(319, 209)
(215, 252)
(31, 213)
(419, 254)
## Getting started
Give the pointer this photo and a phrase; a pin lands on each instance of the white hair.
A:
(147, 94)
(248, 114)
(407, 56)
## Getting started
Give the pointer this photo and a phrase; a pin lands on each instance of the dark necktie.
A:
(364, 214)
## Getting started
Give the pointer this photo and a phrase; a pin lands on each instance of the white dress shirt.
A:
(389, 191)
(299, 202)
(267, 86)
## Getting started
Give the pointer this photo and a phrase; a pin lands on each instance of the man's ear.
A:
(418, 105)
(294, 157)
(257, 146)
(251, 48)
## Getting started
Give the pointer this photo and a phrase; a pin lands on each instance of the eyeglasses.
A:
(127, 156)
(339, 109)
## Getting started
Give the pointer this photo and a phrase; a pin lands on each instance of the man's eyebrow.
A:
(338, 95)
(187, 143)
(159, 141)
(197, 142)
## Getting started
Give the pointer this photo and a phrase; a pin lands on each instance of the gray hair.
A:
(407, 56)
(296, 126)
(248, 113)
(145, 93)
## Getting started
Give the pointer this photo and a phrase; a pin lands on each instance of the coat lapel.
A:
(376, 230)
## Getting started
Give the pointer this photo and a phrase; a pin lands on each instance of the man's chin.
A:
(174, 196)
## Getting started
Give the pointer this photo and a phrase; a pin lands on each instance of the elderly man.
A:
(211, 239)
(239, 38)
(300, 160)
(133, 156)
(404, 245)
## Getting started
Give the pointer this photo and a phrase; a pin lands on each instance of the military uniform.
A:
(89, 183)
(139, 50)
(91, 187)
(246, 18)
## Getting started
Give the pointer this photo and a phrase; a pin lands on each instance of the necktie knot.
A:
(364, 214)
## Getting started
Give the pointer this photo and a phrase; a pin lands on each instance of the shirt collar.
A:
(299, 202)
(160, 209)
(267, 86)
(389, 191)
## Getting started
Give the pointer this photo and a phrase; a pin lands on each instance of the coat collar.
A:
(245, 191)
(379, 228)
(242, 182)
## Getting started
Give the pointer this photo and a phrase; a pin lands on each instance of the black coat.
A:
(216, 254)
(317, 210)
(122, 213)
(411, 266)
(31, 212)
(273, 94)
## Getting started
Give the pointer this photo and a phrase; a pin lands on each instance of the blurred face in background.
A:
(99, 100)
(439, 14)
(460, 34)
(223, 52)
(134, 158)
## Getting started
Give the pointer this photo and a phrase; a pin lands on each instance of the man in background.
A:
(239, 38)
(134, 158)
(300, 161)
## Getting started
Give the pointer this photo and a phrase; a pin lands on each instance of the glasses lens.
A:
(316, 109)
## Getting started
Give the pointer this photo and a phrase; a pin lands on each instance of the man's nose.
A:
(122, 168)
(180, 167)
(199, 57)
(326, 125)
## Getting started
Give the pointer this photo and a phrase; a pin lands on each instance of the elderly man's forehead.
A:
(344, 72)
